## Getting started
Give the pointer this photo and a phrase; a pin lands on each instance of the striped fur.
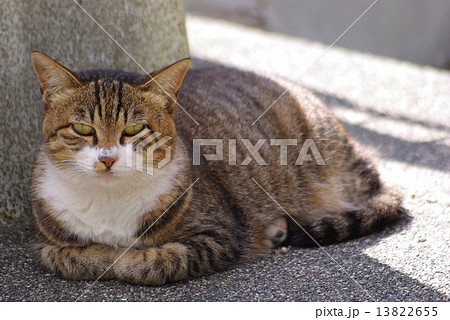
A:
(98, 218)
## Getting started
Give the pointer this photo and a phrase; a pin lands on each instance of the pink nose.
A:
(108, 161)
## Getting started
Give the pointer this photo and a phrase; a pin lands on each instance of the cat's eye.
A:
(133, 130)
(83, 129)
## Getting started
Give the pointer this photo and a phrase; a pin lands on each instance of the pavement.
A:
(397, 109)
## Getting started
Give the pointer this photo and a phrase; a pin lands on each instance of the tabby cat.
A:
(98, 216)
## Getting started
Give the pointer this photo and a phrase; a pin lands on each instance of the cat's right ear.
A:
(53, 77)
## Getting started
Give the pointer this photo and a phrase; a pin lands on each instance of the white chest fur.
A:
(104, 214)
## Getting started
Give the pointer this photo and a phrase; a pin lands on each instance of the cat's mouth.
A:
(107, 176)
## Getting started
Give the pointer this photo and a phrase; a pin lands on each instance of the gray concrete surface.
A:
(413, 30)
(398, 109)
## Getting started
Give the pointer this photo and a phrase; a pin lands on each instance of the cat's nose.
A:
(108, 161)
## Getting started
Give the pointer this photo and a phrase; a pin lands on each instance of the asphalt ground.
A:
(397, 109)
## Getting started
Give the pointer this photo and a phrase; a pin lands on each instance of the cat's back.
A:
(227, 93)
(228, 103)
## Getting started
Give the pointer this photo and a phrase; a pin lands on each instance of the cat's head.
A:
(92, 119)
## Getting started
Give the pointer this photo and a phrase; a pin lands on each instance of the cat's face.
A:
(95, 123)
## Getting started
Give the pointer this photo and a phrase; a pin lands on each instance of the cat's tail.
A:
(379, 211)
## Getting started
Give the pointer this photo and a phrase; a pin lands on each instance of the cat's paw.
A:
(276, 232)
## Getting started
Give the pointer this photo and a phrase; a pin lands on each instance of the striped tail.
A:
(380, 211)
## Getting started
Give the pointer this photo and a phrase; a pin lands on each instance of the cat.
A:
(97, 216)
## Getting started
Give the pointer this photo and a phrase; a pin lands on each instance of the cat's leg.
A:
(176, 261)
(79, 263)
(276, 232)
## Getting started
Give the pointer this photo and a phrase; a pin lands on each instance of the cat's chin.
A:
(107, 179)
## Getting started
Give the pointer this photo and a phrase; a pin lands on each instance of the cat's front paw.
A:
(79, 263)
(48, 257)
(276, 233)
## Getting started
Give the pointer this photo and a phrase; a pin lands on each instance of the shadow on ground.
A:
(299, 275)
(430, 154)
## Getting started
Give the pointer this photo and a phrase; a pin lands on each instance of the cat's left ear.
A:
(53, 77)
(168, 79)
